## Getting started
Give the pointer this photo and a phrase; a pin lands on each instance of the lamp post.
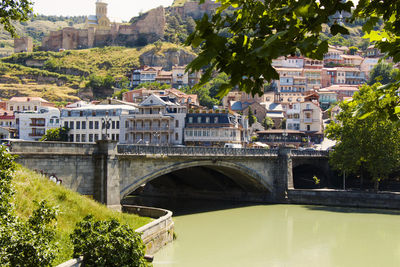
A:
(105, 123)
(284, 134)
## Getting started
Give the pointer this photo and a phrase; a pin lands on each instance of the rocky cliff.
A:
(167, 59)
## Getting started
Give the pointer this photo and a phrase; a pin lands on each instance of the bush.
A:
(107, 243)
(23, 243)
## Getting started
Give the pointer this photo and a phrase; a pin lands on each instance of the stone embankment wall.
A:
(380, 200)
(155, 234)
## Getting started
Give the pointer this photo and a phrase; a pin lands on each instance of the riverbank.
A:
(344, 198)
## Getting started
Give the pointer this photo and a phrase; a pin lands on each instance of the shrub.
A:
(107, 243)
(23, 243)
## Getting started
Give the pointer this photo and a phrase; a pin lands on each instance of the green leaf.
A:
(336, 28)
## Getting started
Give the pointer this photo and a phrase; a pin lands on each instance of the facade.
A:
(32, 125)
(215, 129)
(89, 123)
(310, 117)
(158, 121)
(20, 104)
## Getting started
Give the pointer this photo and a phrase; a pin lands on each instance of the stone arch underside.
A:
(248, 179)
(311, 174)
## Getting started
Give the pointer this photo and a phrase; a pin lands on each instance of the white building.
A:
(158, 121)
(16, 104)
(32, 125)
(89, 123)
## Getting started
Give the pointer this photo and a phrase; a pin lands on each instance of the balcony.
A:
(36, 134)
(151, 128)
(37, 124)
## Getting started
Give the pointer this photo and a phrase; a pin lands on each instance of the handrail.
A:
(193, 151)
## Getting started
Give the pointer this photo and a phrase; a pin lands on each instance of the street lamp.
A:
(105, 123)
(284, 134)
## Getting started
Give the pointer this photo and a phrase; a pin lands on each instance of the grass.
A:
(72, 207)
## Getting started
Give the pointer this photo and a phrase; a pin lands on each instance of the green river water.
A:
(285, 235)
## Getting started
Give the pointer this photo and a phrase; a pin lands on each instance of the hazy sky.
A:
(117, 9)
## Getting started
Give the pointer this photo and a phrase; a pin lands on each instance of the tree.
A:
(242, 43)
(56, 134)
(120, 93)
(12, 10)
(23, 243)
(267, 123)
(353, 50)
(107, 243)
(383, 73)
(367, 147)
(252, 119)
(154, 86)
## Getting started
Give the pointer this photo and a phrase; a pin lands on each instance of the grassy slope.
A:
(21, 80)
(31, 186)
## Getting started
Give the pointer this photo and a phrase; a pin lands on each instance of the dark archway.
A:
(307, 176)
(198, 185)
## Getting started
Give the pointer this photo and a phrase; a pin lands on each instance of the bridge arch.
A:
(240, 173)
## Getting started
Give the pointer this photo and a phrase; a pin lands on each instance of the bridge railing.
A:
(309, 153)
(193, 151)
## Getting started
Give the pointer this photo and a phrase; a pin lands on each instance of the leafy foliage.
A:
(267, 123)
(23, 243)
(243, 43)
(154, 86)
(366, 145)
(251, 117)
(383, 73)
(107, 243)
(56, 134)
(12, 10)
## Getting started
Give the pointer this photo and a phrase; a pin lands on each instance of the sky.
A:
(118, 10)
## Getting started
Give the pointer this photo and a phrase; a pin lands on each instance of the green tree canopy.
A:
(56, 134)
(383, 73)
(12, 10)
(367, 145)
(252, 119)
(267, 123)
(243, 42)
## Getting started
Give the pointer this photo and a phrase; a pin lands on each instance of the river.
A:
(284, 235)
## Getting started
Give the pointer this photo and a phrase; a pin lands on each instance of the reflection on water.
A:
(281, 235)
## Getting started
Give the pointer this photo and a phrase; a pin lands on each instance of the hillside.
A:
(72, 207)
(62, 76)
(38, 27)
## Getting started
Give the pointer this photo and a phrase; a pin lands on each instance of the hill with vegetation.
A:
(69, 75)
(32, 187)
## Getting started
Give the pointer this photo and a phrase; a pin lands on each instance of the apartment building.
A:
(159, 120)
(94, 122)
(32, 125)
(215, 129)
(19, 104)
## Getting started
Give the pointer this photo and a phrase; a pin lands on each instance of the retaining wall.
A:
(381, 200)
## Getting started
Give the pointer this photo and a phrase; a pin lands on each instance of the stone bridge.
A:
(110, 172)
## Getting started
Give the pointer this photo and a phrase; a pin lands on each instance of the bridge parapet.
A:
(309, 153)
(194, 151)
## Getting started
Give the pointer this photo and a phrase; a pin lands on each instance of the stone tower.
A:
(101, 9)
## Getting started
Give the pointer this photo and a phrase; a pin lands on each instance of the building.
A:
(19, 104)
(33, 124)
(92, 123)
(310, 117)
(215, 129)
(159, 120)
(99, 21)
(23, 44)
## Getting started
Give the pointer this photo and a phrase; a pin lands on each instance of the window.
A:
(176, 123)
(117, 124)
(113, 137)
(69, 113)
(96, 124)
(176, 136)
(71, 125)
(126, 124)
(78, 138)
(90, 126)
(96, 137)
(83, 125)
(78, 125)
(308, 127)
(117, 137)
(190, 120)
(81, 113)
(94, 113)
(83, 137)
(113, 125)
(216, 120)
(66, 124)
(11, 108)
(90, 137)
(198, 119)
